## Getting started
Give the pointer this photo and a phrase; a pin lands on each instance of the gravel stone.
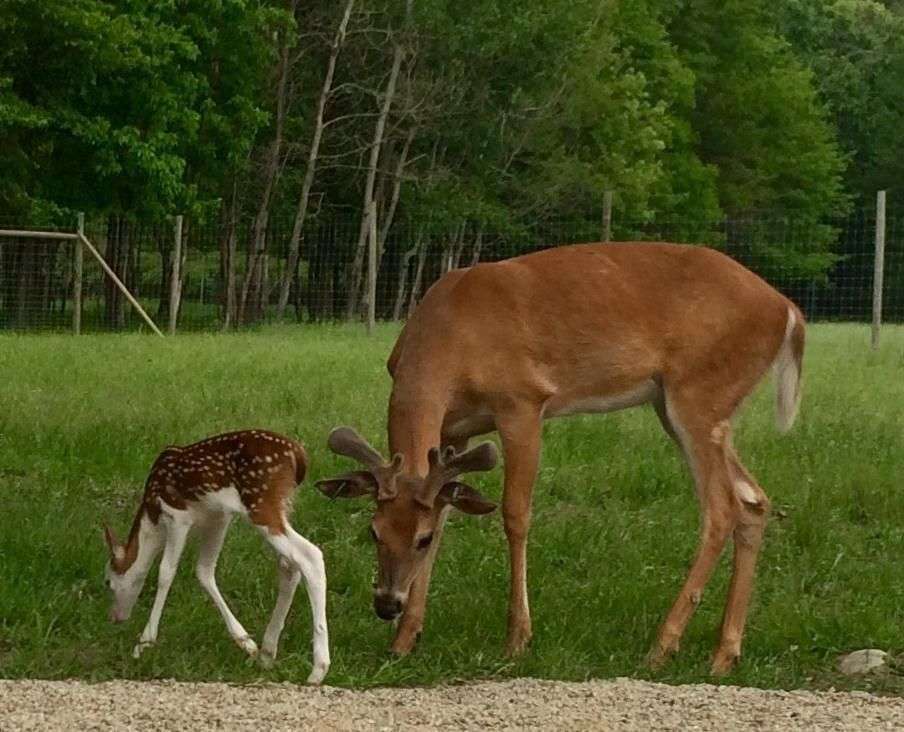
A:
(621, 704)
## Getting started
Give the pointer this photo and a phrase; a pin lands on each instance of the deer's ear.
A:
(349, 485)
(465, 498)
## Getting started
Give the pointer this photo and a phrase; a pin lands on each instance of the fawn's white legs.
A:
(307, 559)
(289, 577)
(213, 533)
(176, 534)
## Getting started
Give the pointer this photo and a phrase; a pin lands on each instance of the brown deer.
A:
(575, 329)
(203, 486)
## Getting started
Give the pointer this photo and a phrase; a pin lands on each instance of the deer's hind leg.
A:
(752, 507)
(303, 556)
(731, 503)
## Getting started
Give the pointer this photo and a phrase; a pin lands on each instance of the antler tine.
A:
(449, 464)
(480, 458)
(345, 441)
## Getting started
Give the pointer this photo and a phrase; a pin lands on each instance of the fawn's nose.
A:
(387, 607)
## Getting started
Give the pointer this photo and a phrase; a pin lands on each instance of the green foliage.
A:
(518, 114)
(856, 51)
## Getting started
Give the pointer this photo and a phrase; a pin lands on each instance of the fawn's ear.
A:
(113, 544)
(349, 485)
(465, 498)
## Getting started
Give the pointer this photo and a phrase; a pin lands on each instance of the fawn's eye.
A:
(424, 541)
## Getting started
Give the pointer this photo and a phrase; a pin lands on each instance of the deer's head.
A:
(408, 508)
(123, 578)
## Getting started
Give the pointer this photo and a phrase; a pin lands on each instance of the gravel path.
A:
(519, 704)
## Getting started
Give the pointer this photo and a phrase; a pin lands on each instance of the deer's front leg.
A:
(176, 534)
(213, 535)
(411, 624)
(520, 432)
(412, 621)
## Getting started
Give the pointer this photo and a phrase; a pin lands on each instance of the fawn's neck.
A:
(145, 541)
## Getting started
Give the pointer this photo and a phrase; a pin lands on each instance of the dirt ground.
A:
(519, 704)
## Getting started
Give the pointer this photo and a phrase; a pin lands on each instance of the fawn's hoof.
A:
(247, 644)
(140, 648)
(318, 672)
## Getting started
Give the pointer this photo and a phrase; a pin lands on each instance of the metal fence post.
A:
(77, 268)
(176, 277)
(879, 269)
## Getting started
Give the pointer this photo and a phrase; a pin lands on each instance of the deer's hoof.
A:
(517, 643)
(404, 644)
(724, 661)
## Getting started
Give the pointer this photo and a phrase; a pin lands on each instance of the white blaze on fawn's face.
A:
(126, 588)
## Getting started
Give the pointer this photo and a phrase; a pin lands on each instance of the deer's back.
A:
(248, 461)
(593, 311)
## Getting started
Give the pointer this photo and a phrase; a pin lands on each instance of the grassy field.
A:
(615, 520)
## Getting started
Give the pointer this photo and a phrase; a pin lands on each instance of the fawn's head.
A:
(408, 507)
(123, 578)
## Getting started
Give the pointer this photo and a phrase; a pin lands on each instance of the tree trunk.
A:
(418, 278)
(308, 182)
(118, 254)
(253, 275)
(452, 250)
(227, 266)
(355, 278)
(164, 246)
(389, 214)
(458, 246)
(403, 278)
(478, 246)
(25, 264)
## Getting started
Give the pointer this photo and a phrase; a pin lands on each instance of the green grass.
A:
(614, 530)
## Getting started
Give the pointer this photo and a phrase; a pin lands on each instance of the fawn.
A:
(252, 473)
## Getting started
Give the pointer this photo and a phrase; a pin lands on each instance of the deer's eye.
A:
(424, 541)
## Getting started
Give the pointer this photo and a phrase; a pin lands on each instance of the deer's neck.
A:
(145, 541)
(415, 426)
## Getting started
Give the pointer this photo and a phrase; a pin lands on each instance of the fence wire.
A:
(239, 275)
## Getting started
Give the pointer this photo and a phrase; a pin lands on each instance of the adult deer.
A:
(203, 486)
(577, 329)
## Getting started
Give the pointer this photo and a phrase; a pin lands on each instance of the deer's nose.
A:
(387, 607)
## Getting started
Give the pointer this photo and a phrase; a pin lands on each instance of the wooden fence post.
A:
(77, 268)
(175, 294)
(607, 215)
(879, 268)
(372, 269)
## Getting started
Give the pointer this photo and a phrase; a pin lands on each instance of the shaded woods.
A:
(476, 131)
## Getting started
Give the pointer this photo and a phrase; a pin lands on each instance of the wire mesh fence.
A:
(237, 275)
